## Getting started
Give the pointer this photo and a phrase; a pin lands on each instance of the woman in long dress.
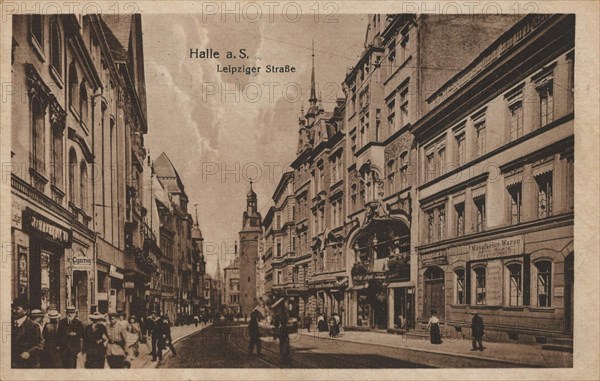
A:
(434, 328)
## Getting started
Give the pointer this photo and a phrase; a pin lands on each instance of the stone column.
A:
(391, 308)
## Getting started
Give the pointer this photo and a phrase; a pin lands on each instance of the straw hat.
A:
(36, 313)
(96, 316)
(53, 314)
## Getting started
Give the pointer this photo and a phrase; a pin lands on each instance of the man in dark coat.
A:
(52, 354)
(95, 338)
(477, 331)
(254, 334)
(26, 337)
(70, 332)
(164, 339)
(154, 329)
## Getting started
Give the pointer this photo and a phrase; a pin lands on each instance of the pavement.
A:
(520, 355)
(144, 360)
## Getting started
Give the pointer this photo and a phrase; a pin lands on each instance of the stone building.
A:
(82, 105)
(231, 288)
(495, 180)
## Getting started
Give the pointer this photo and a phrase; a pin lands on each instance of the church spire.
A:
(313, 93)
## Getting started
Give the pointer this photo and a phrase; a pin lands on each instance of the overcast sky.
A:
(195, 118)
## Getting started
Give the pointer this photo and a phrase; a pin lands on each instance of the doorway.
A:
(79, 294)
(569, 293)
(434, 292)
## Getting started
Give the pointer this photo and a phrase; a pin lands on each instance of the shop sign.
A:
(50, 230)
(114, 273)
(82, 263)
(504, 247)
(493, 286)
(128, 285)
(435, 258)
(370, 276)
(324, 284)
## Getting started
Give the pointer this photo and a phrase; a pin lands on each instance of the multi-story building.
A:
(212, 302)
(496, 210)
(82, 100)
(231, 287)
(405, 58)
(250, 237)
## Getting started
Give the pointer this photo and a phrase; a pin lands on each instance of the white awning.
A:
(478, 192)
(543, 168)
(358, 287)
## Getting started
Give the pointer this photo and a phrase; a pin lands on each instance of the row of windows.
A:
(513, 290)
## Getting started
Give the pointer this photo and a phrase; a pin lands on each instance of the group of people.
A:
(477, 328)
(280, 334)
(332, 324)
(44, 340)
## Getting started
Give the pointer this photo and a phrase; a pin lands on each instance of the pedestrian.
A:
(477, 331)
(52, 355)
(434, 329)
(133, 338)
(284, 340)
(154, 328)
(95, 339)
(254, 335)
(196, 320)
(165, 341)
(117, 338)
(331, 326)
(37, 316)
(70, 332)
(336, 319)
(26, 337)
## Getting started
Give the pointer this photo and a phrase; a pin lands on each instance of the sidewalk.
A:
(524, 355)
(144, 360)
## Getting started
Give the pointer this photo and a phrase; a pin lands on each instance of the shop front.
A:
(381, 296)
(520, 284)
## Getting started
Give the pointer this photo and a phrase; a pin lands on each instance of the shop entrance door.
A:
(434, 292)
(569, 294)
(79, 294)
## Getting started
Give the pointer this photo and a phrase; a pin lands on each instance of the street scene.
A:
(386, 191)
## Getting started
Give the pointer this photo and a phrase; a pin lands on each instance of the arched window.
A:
(83, 102)
(459, 289)
(72, 167)
(479, 288)
(83, 178)
(55, 47)
(544, 283)
(73, 83)
(37, 28)
(515, 284)
(57, 155)
(38, 125)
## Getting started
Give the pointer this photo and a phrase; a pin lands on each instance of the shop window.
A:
(480, 207)
(460, 219)
(544, 185)
(38, 127)
(479, 285)
(544, 283)
(515, 284)
(460, 286)
(515, 195)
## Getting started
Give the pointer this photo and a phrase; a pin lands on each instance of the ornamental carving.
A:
(394, 150)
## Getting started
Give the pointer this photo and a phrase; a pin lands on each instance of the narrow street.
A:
(225, 345)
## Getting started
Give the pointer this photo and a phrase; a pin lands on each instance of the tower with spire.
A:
(249, 238)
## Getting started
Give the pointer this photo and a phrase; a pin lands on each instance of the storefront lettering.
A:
(44, 226)
(504, 247)
(436, 258)
(81, 263)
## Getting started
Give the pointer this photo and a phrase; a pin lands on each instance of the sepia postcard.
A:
(283, 190)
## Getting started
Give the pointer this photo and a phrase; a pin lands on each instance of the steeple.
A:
(251, 201)
(313, 93)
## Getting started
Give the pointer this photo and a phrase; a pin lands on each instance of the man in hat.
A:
(26, 337)
(52, 357)
(477, 331)
(95, 338)
(70, 332)
(153, 327)
(37, 316)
